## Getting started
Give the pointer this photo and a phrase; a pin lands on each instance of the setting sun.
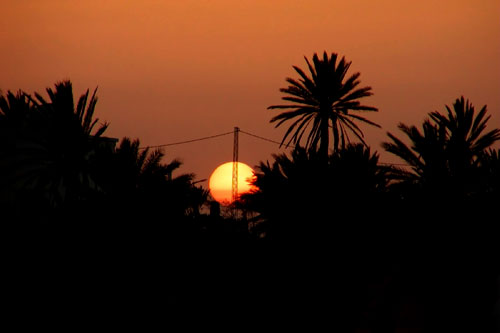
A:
(220, 182)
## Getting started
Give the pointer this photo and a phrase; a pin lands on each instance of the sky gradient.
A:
(170, 71)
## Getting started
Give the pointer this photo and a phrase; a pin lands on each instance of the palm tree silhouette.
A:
(466, 140)
(301, 188)
(323, 101)
(137, 178)
(451, 180)
(70, 141)
(61, 106)
(445, 155)
(52, 143)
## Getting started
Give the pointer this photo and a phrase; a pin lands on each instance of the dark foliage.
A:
(302, 192)
(48, 147)
(340, 241)
(445, 156)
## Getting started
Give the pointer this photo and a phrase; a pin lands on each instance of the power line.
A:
(187, 141)
(265, 139)
(247, 133)
(215, 136)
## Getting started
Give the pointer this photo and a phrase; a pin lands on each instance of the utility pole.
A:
(235, 171)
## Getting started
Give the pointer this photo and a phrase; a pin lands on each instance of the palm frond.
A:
(296, 88)
(306, 80)
(173, 165)
(478, 124)
(400, 149)
(356, 94)
(295, 123)
(309, 102)
(312, 71)
(287, 115)
(486, 140)
(286, 107)
(89, 113)
(353, 128)
(297, 136)
(100, 131)
(314, 134)
(363, 119)
(80, 108)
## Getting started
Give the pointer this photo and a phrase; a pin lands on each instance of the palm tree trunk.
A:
(323, 145)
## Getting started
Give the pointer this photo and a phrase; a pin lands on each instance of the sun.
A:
(221, 180)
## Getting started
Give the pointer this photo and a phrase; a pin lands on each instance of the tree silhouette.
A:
(50, 143)
(444, 157)
(449, 192)
(301, 188)
(323, 101)
(326, 220)
(137, 180)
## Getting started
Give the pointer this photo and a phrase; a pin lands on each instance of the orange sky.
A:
(171, 70)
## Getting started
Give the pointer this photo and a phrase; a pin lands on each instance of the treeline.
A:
(58, 167)
(450, 171)
(389, 248)
(330, 232)
(90, 222)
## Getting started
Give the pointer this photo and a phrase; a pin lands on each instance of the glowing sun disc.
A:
(221, 181)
